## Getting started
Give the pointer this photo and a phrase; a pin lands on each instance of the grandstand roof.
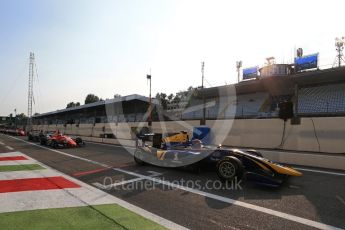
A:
(317, 77)
(131, 97)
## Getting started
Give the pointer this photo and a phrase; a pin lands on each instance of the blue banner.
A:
(250, 73)
(306, 62)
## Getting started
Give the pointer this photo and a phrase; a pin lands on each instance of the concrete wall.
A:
(328, 135)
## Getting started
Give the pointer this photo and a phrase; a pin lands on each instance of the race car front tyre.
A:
(80, 142)
(54, 144)
(229, 168)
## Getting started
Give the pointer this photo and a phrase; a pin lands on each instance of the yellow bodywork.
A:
(286, 170)
(177, 138)
(280, 169)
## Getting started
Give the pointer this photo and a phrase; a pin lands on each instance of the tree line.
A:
(163, 98)
(90, 98)
(180, 96)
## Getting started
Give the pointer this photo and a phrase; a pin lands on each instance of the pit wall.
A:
(321, 134)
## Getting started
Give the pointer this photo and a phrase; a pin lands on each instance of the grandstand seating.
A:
(322, 99)
(249, 105)
(246, 105)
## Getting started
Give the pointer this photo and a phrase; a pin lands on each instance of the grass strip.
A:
(109, 216)
(7, 168)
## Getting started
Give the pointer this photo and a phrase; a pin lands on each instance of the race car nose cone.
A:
(285, 170)
(291, 171)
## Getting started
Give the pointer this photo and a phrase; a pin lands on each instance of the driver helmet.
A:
(196, 143)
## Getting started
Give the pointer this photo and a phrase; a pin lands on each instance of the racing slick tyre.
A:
(229, 168)
(54, 144)
(43, 142)
(137, 160)
(80, 142)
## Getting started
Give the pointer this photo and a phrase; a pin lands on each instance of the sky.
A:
(107, 47)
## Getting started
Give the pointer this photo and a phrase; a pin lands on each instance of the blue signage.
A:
(250, 73)
(306, 62)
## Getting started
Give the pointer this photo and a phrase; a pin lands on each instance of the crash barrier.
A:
(321, 134)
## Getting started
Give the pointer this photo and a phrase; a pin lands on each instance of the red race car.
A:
(20, 132)
(57, 139)
(13, 131)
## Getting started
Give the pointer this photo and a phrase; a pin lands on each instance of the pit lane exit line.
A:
(268, 211)
(110, 186)
(9, 147)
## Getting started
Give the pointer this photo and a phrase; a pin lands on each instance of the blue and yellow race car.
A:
(229, 163)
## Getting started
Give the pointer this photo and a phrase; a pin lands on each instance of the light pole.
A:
(238, 67)
(15, 118)
(148, 76)
(203, 120)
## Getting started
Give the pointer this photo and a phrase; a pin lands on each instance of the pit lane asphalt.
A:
(315, 196)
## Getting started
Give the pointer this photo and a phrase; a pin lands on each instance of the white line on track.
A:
(139, 178)
(13, 175)
(142, 212)
(110, 186)
(15, 162)
(9, 147)
(116, 146)
(268, 211)
(2, 143)
(341, 199)
(320, 171)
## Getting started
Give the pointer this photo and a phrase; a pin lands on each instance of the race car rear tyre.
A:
(229, 168)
